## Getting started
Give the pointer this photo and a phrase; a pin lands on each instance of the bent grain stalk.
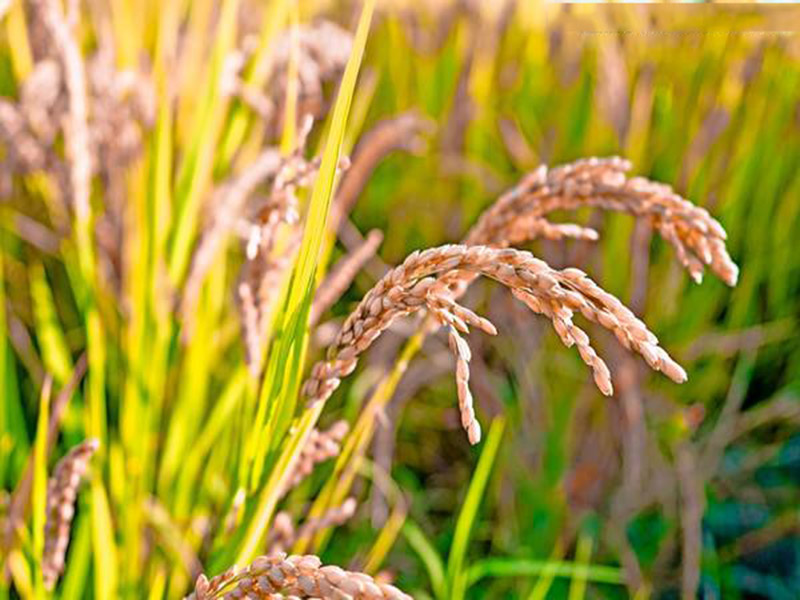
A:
(519, 215)
(404, 132)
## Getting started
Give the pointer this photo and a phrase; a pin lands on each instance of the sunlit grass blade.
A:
(292, 86)
(127, 22)
(219, 418)
(96, 350)
(338, 485)
(393, 525)
(76, 577)
(271, 492)
(21, 574)
(323, 189)
(548, 574)
(199, 357)
(18, 43)
(456, 576)
(279, 387)
(13, 433)
(256, 75)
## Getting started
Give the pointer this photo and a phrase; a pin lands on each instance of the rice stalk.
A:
(402, 132)
(283, 372)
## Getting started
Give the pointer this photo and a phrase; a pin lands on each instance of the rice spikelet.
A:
(77, 138)
(460, 349)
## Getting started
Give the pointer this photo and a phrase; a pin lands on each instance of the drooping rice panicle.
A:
(323, 49)
(520, 214)
(420, 282)
(76, 127)
(62, 491)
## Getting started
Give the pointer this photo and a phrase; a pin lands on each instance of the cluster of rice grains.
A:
(62, 491)
(520, 214)
(280, 576)
(420, 283)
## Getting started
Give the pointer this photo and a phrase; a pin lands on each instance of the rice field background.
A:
(197, 193)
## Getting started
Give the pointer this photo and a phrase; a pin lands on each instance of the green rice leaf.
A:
(520, 567)
(456, 578)
(104, 547)
(433, 562)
